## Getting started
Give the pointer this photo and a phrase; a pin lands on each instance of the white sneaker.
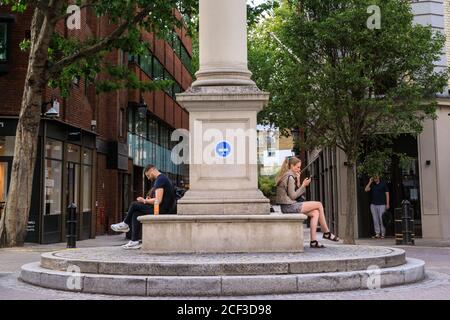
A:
(120, 227)
(132, 245)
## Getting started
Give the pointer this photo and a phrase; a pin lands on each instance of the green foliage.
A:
(25, 45)
(16, 5)
(72, 57)
(341, 81)
(267, 185)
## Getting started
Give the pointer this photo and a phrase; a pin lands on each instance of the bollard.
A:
(404, 224)
(72, 226)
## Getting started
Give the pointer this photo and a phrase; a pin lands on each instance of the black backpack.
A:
(179, 193)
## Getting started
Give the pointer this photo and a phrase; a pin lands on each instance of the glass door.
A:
(72, 181)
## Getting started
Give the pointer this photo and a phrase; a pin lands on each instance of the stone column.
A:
(223, 43)
(223, 104)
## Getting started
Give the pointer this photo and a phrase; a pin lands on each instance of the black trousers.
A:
(136, 210)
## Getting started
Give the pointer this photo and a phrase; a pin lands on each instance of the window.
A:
(131, 120)
(121, 122)
(169, 89)
(146, 64)
(87, 180)
(158, 70)
(7, 146)
(53, 186)
(3, 41)
(73, 153)
(53, 149)
(176, 89)
(186, 59)
(176, 44)
(3, 181)
(53, 177)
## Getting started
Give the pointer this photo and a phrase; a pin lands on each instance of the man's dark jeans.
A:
(136, 210)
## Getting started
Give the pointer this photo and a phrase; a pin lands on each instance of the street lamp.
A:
(53, 112)
(142, 108)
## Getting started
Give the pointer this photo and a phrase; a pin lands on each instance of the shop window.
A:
(87, 157)
(3, 42)
(53, 186)
(3, 181)
(87, 180)
(7, 146)
(53, 177)
(73, 153)
(54, 149)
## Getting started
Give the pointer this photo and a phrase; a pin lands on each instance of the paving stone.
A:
(30, 273)
(258, 285)
(329, 282)
(183, 286)
(115, 285)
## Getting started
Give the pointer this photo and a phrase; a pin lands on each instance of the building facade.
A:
(94, 152)
(424, 182)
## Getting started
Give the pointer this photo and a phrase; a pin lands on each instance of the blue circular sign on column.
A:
(223, 149)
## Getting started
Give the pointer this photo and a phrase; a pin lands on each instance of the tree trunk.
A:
(349, 237)
(13, 225)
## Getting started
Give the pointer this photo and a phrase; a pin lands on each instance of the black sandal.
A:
(330, 236)
(316, 244)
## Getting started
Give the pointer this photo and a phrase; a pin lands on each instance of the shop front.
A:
(63, 175)
(404, 184)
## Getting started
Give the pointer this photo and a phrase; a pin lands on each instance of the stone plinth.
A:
(228, 184)
(115, 271)
(222, 233)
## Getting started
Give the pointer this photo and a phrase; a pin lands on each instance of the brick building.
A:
(94, 152)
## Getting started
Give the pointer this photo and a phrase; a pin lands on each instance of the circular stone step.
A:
(117, 261)
(410, 272)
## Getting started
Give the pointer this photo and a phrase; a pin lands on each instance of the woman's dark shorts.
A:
(292, 208)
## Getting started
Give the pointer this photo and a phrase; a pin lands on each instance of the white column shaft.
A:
(223, 43)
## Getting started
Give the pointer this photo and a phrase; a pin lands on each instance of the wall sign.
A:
(223, 149)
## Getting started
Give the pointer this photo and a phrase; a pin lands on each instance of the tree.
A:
(55, 60)
(344, 80)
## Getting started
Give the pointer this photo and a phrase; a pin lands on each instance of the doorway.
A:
(403, 183)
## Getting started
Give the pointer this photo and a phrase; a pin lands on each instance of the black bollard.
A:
(72, 226)
(407, 223)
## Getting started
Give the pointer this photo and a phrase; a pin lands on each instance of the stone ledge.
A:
(222, 233)
(221, 218)
(115, 260)
(411, 272)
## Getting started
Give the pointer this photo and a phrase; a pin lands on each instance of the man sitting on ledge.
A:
(162, 191)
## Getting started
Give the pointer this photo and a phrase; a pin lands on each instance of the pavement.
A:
(435, 253)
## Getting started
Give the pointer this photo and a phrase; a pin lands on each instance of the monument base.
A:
(224, 202)
(222, 233)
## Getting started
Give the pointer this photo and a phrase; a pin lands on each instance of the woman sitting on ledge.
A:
(287, 195)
